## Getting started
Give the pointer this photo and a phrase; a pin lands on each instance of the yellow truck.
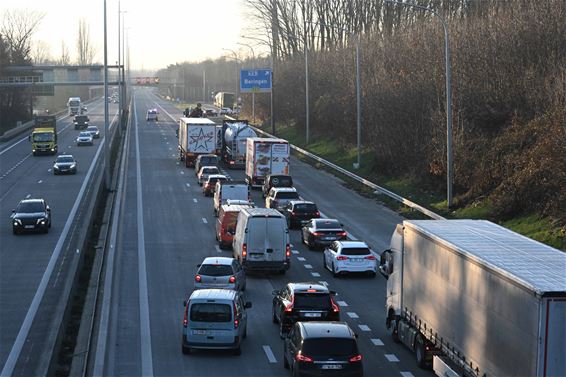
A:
(44, 135)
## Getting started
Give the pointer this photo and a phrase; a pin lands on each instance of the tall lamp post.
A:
(449, 162)
(237, 73)
(253, 67)
(106, 133)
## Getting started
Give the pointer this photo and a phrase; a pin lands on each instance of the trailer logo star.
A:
(201, 140)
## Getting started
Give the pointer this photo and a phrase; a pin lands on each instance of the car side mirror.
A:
(247, 305)
(47, 208)
(333, 293)
(13, 211)
(198, 265)
(184, 302)
(275, 292)
(356, 335)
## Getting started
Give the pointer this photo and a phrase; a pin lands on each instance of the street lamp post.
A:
(237, 73)
(449, 162)
(106, 133)
(253, 67)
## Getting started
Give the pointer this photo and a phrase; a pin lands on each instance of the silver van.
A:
(214, 319)
(229, 190)
(261, 241)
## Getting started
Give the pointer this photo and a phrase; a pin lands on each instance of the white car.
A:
(278, 197)
(205, 171)
(85, 138)
(226, 110)
(349, 256)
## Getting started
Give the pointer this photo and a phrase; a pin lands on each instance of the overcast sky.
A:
(160, 32)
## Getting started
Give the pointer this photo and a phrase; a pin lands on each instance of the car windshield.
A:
(43, 136)
(213, 180)
(328, 224)
(305, 207)
(312, 301)
(287, 195)
(65, 159)
(207, 312)
(329, 347)
(81, 118)
(355, 251)
(30, 207)
(215, 270)
(208, 160)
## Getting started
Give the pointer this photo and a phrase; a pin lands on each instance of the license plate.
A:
(357, 260)
(328, 238)
(331, 366)
(29, 226)
(199, 332)
(312, 315)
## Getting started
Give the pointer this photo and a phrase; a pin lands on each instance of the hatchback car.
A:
(65, 164)
(303, 302)
(299, 212)
(279, 196)
(322, 349)
(276, 180)
(31, 215)
(322, 232)
(205, 160)
(209, 185)
(349, 256)
(205, 171)
(85, 138)
(94, 131)
(151, 115)
(220, 272)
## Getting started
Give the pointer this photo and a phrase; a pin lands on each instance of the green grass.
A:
(533, 226)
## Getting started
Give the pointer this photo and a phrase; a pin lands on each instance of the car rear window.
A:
(312, 301)
(329, 347)
(210, 170)
(305, 207)
(287, 195)
(327, 224)
(215, 270)
(209, 160)
(281, 182)
(355, 251)
(209, 312)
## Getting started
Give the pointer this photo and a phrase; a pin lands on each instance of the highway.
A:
(34, 267)
(166, 227)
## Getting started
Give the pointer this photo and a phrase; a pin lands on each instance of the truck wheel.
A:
(420, 352)
(391, 325)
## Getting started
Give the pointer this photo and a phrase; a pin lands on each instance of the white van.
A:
(261, 241)
(229, 190)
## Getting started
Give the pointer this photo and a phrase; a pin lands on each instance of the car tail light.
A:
(370, 257)
(186, 316)
(288, 251)
(317, 214)
(236, 321)
(289, 306)
(232, 279)
(198, 278)
(244, 251)
(222, 229)
(335, 308)
(232, 162)
(355, 359)
(342, 234)
(317, 234)
(293, 213)
(303, 358)
(341, 257)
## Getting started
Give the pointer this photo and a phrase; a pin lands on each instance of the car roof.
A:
(65, 155)
(91, 126)
(305, 286)
(218, 260)
(32, 200)
(206, 155)
(213, 294)
(326, 220)
(326, 329)
(346, 244)
(263, 212)
(301, 202)
(284, 189)
(209, 167)
(217, 176)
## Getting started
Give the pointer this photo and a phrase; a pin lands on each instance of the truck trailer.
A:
(224, 99)
(265, 156)
(43, 136)
(235, 134)
(472, 298)
(196, 136)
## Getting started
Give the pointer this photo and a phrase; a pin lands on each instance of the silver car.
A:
(94, 131)
(85, 138)
(220, 272)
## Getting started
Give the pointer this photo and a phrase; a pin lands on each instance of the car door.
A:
(293, 342)
(306, 230)
(242, 312)
(330, 254)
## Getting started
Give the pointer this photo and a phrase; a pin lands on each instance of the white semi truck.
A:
(472, 298)
(264, 157)
(74, 106)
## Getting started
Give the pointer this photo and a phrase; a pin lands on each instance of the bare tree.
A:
(85, 50)
(17, 28)
(65, 58)
(41, 53)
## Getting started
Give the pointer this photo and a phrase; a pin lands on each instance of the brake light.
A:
(236, 321)
(303, 358)
(198, 278)
(341, 257)
(370, 257)
(335, 308)
(293, 213)
(289, 306)
(288, 251)
(232, 162)
(342, 234)
(356, 358)
(232, 279)
(244, 251)
(317, 214)
(316, 234)
(186, 316)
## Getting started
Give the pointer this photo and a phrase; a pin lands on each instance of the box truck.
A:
(196, 136)
(472, 298)
(264, 157)
(43, 136)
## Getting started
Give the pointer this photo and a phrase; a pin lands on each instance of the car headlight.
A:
(73, 166)
(41, 221)
(55, 167)
(17, 222)
(52, 149)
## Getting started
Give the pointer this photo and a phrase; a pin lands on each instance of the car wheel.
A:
(186, 350)
(244, 287)
(310, 244)
(238, 351)
(46, 230)
(324, 265)
(15, 231)
(391, 328)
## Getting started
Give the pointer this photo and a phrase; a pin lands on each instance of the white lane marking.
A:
(301, 259)
(188, 184)
(204, 220)
(364, 327)
(342, 303)
(15, 166)
(291, 245)
(407, 374)
(40, 181)
(315, 274)
(182, 172)
(308, 266)
(49, 170)
(195, 200)
(295, 251)
(353, 315)
(391, 357)
(269, 354)
(217, 248)
(377, 342)
(323, 283)
(145, 331)
(28, 196)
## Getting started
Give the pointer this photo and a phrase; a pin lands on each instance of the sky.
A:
(160, 32)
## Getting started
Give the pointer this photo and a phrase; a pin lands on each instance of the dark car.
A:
(299, 212)
(322, 349)
(322, 232)
(31, 215)
(210, 112)
(307, 301)
(276, 180)
(205, 160)
(81, 121)
(65, 164)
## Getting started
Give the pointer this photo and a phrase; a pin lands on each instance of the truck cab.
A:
(44, 135)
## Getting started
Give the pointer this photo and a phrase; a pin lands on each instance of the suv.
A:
(81, 121)
(303, 302)
(214, 318)
(220, 272)
(276, 180)
(151, 115)
(322, 348)
(349, 256)
(279, 197)
(205, 160)
(299, 212)
(31, 214)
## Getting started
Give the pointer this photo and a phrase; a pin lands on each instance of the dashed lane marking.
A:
(315, 274)
(269, 354)
(49, 170)
(40, 181)
(323, 283)
(308, 266)
(295, 252)
(364, 328)
(217, 248)
(195, 200)
(204, 220)
(407, 374)
(182, 172)
(377, 342)
(342, 303)
(353, 315)
(301, 259)
(188, 184)
(391, 357)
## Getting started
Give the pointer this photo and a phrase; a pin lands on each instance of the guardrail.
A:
(361, 180)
